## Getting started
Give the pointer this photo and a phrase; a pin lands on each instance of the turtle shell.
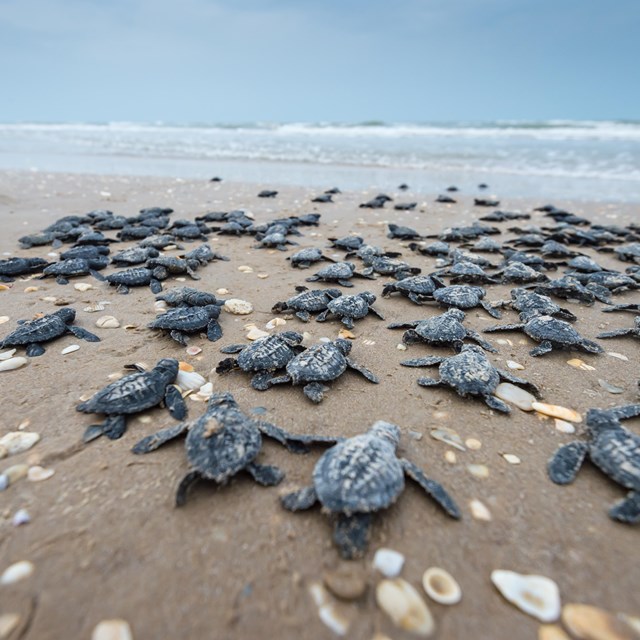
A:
(69, 267)
(349, 306)
(131, 277)
(311, 254)
(617, 453)
(186, 318)
(532, 304)
(319, 363)
(336, 271)
(361, 474)
(40, 330)
(555, 331)
(416, 284)
(470, 372)
(314, 300)
(444, 329)
(461, 296)
(265, 354)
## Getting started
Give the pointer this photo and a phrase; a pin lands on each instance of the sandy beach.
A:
(105, 537)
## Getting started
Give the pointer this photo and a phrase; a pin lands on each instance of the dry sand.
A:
(106, 539)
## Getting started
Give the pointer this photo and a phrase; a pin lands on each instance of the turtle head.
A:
(167, 368)
(292, 338)
(474, 348)
(367, 296)
(213, 311)
(223, 399)
(67, 315)
(344, 346)
(458, 314)
(386, 431)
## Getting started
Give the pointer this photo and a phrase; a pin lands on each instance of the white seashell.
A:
(441, 586)
(5, 355)
(403, 604)
(504, 341)
(222, 291)
(448, 436)
(514, 365)
(515, 395)
(262, 276)
(276, 322)
(12, 474)
(611, 388)
(473, 444)
(255, 333)
(243, 268)
(160, 306)
(31, 289)
(112, 630)
(479, 511)
(478, 470)
(12, 363)
(95, 307)
(536, 595)
(450, 457)
(556, 411)
(70, 349)
(8, 624)
(330, 615)
(564, 427)
(620, 356)
(511, 458)
(21, 516)
(38, 473)
(189, 380)
(238, 307)
(206, 390)
(82, 286)
(16, 572)
(107, 322)
(551, 632)
(388, 562)
(401, 347)
(18, 441)
(580, 364)
(193, 351)
(4, 319)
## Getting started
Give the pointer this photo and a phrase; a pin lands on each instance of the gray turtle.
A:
(463, 296)
(262, 356)
(437, 249)
(419, 289)
(134, 255)
(552, 334)
(304, 258)
(184, 320)
(614, 281)
(348, 243)
(164, 266)
(402, 233)
(471, 374)
(320, 363)
(529, 305)
(519, 273)
(632, 332)
(188, 297)
(631, 307)
(629, 252)
(163, 241)
(339, 272)
(224, 441)
(570, 288)
(275, 240)
(350, 308)
(387, 266)
(32, 333)
(307, 301)
(132, 394)
(203, 255)
(358, 477)
(467, 272)
(613, 449)
(134, 277)
(13, 267)
(445, 330)
(75, 267)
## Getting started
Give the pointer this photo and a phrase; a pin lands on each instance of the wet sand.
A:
(105, 537)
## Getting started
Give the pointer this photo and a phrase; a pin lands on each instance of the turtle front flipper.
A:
(351, 534)
(233, 348)
(156, 440)
(315, 391)
(83, 334)
(495, 403)
(299, 500)
(490, 309)
(113, 427)
(544, 347)
(472, 335)
(183, 487)
(344, 283)
(628, 509)
(429, 382)
(179, 337)
(618, 333)
(305, 316)
(369, 375)
(321, 317)
(347, 322)
(434, 489)
(35, 349)
(427, 361)
(265, 474)
(404, 325)
(626, 411)
(174, 402)
(296, 443)
(509, 377)
(214, 331)
(155, 285)
(376, 313)
(590, 346)
(566, 462)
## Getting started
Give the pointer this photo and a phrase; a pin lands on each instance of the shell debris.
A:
(619, 356)
(255, 333)
(5, 355)
(450, 457)
(12, 363)
(222, 291)
(244, 268)
(16, 442)
(580, 364)
(82, 286)
(611, 388)
(20, 517)
(9, 622)
(112, 630)
(511, 458)
(441, 586)
(563, 426)
(107, 322)
(4, 319)
(551, 632)
(557, 411)
(346, 582)
(263, 275)
(327, 610)
(388, 562)
(592, 623)
(448, 436)
(70, 349)
(189, 380)
(16, 572)
(38, 473)
(515, 395)
(12, 474)
(275, 322)
(473, 444)
(478, 470)
(403, 604)
(537, 596)
(193, 350)
(238, 307)
(348, 335)
(31, 289)
(514, 365)
(479, 510)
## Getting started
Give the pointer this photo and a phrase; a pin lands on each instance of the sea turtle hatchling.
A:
(224, 441)
(262, 357)
(471, 374)
(339, 272)
(132, 394)
(134, 277)
(632, 332)
(551, 333)
(320, 363)
(419, 289)
(358, 477)
(304, 258)
(307, 301)
(613, 449)
(467, 272)
(75, 267)
(350, 308)
(445, 330)
(185, 319)
(32, 333)
(464, 296)
(13, 267)
(529, 305)
(188, 297)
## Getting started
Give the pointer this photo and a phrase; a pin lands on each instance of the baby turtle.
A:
(262, 357)
(464, 296)
(13, 267)
(267, 193)
(348, 243)
(188, 297)
(75, 267)
(444, 199)
(320, 363)
(339, 272)
(202, 255)
(134, 277)
(134, 255)
(164, 266)
(471, 374)
(350, 308)
(184, 320)
(324, 198)
(275, 240)
(160, 242)
(467, 272)
(629, 252)
(419, 289)
(437, 249)
(132, 394)
(224, 441)
(552, 334)
(402, 233)
(633, 332)
(387, 266)
(307, 301)
(613, 449)
(520, 273)
(569, 288)
(32, 333)
(529, 305)
(358, 477)
(445, 330)
(304, 258)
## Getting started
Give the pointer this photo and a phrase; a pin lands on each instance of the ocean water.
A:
(589, 160)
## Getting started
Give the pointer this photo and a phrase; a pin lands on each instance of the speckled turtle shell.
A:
(187, 296)
(19, 266)
(361, 474)
(134, 277)
(49, 327)
(444, 329)
(557, 332)
(460, 296)
(530, 305)
(419, 285)
(470, 372)
(306, 256)
(320, 363)
(312, 300)
(336, 271)
(186, 319)
(355, 307)
(268, 353)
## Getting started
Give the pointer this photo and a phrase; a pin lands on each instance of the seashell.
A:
(145, 419)
(345, 333)
(222, 291)
(70, 349)
(580, 364)
(238, 307)
(24, 424)
(112, 630)
(504, 341)
(591, 623)
(49, 299)
(479, 511)
(327, 610)
(12, 363)
(4, 287)
(5, 355)
(551, 632)
(556, 411)
(185, 366)
(324, 339)
(16, 442)
(511, 458)
(388, 562)
(473, 444)
(450, 457)
(12, 474)
(31, 289)
(536, 595)
(564, 427)
(95, 307)
(346, 582)
(16, 572)
(20, 517)
(38, 473)
(206, 390)
(107, 322)
(403, 604)
(441, 586)
(620, 356)
(194, 351)
(8, 624)
(611, 388)
(515, 395)
(401, 347)
(448, 436)
(262, 276)
(369, 343)
(255, 333)
(189, 380)
(478, 470)
(82, 286)
(275, 322)
(4, 319)
(160, 306)
(243, 268)
(514, 365)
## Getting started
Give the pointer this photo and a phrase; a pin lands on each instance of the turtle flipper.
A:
(427, 361)
(566, 462)
(626, 411)
(429, 382)
(83, 334)
(544, 347)
(347, 322)
(155, 286)
(296, 443)
(628, 509)
(214, 330)
(35, 349)
(174, 402)
(345, 283)
(404, 325)
(321, 317)
(495, 403)
(183, 487)
(262, 381)
(314, 391)
(369, 375)
(352, 533)
(265, 474)
(618, 333)
(490, 309)
(179, 337)
(376, 313)
(509, 377)
(305, 316)
(472, 335)
(156, 440)
(590, 346)
(233, 348)
(432, 488)
(299, 500)
(113, 427)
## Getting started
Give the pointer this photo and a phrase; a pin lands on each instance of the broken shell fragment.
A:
(448, 436)
(107, 322)
(327, 610)
(5, 355)
(4, 319)
(403, 604)
(16, 572)
(514, 365)
(611, 388)
(8, 624)
(112, 630)
(564, 427)
(556, 411)
(511, 458)
(388, 562)
(244, 268)
(16, 442)
(82, 286)
(193, 351)
(222, 291)
(479, 511)
(12, 474)
(580, 364)
(591, 623)
(189, 380)
(275, 322)
(345, 333)
(552, 632)
(441, 586)
(619, 356)
(515, 395)
(238, 307)
(255, 333)
(12, 363)
(473, 443)
(38, 473)
(70, 349)
(536, 595)
(478, 470)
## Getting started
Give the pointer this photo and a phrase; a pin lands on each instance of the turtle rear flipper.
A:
(344, 283)
(427, 361)
(544, 347)
(183, 487)
(504, 327)
(174, 402)
(566, 462)
(618, 333)
(305, 316)
(155, 286)
(590, 346)
(429, 382)
(490, 309)
(156, 440)
(97, 275)
(113, 427)
(628, 509)
(315, 391)
(363, 371)
(352, 533)
(214, 331)
(376, 313)
(35, 349)
(495, 403)
(300, 500)
(83, 334)
(434, 489)
(264, 474)
(509, 377)
(179, 337)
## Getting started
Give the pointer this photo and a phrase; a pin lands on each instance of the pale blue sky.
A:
(335, 60)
